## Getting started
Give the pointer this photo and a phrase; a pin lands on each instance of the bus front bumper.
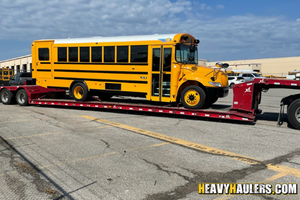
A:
(218, 92)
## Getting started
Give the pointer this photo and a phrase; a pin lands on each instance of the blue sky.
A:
(228, 30)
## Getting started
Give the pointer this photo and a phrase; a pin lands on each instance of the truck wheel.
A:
(293, 114)
(79, 92)
(193, 97)
(22, 98)
(7, 97)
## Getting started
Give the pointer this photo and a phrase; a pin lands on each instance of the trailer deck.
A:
(246, 100)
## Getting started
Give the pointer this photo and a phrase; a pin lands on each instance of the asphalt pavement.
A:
(69, 153)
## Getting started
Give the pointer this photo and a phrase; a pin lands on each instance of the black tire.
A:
(79, 92)
(22, 98)
(293, 114)
(7, 97)
(193, 97)
(231, 85)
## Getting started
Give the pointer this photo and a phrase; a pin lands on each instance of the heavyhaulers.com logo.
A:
(248, 188)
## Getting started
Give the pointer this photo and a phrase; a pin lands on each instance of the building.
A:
(19, 64)
(269, 66)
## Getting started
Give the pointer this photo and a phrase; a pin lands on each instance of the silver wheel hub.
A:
(297, 114)
(4, 97)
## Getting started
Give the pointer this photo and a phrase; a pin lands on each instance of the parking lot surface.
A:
(65, 153)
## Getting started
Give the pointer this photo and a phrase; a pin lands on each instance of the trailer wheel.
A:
(7, 97)
(193, 97)
(293, 114)
(22, 98)
(79, 92)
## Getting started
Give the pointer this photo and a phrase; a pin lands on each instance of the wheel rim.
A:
(22, 98)
(192, 97)
(78, 92)
(297, 114)
(4, 96)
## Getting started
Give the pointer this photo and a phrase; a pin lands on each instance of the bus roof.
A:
(161, 37)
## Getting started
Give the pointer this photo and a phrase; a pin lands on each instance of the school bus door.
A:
(43, 51)
(161, 73)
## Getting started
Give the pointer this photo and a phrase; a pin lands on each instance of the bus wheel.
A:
(79, 92)
(7, 97)
(193, 97)
(22, 97)
(293, 114)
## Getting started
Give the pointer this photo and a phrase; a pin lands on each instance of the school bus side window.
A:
(139, 53)
(122, 54)
(109, 54)
(96, 54)
(43, 54)
(84, 54)
(73, 54)
(62, 54)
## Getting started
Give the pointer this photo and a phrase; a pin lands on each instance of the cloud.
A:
(221, 38)
(297, 20)
(220, 7)
(204, 7)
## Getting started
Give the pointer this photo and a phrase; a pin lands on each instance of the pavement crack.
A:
(169, 172)
(26, 171)
(107, 144)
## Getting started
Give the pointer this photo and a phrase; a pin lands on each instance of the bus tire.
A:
(7, 97)
(79, 91)
(22, 98)
(293, 114)
(193, 97)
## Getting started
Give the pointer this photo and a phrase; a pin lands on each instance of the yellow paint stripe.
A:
(98, 127)
(30, 136)
(275, 177)
(174, 140)
(200, 147)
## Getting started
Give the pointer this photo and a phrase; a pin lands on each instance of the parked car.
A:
(232, 80)
(249, 76)
(22, 78)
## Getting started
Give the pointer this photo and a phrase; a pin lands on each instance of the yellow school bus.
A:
(160, 67)
(5, 75)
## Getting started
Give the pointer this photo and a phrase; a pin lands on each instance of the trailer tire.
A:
(22, 98)
(293, 114)
(79, 91)
(193, 97)
(6, 96)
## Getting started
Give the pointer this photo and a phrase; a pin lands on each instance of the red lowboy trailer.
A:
(246, 98)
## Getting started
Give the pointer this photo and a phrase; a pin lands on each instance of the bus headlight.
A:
(216, 84)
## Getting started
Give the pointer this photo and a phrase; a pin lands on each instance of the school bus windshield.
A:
(185, 55)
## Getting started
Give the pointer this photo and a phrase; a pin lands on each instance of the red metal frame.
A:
(244, 108)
